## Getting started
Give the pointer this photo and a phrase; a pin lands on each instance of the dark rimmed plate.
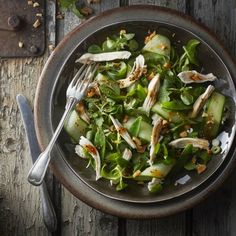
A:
(68, 168)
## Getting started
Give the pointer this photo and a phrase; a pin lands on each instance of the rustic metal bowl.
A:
(136, 201)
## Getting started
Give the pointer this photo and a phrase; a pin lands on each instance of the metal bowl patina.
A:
(135, 201)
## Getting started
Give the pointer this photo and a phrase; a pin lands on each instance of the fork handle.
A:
(38, 170)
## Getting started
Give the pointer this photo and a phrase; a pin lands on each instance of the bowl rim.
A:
(41, 137)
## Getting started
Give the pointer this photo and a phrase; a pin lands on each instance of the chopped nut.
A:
(173, 35)
(165, 122)
(91, 92)
(149, 37)
(183, 134)
(79, 107)
(39, 14)
(200, 168)
(150, 76)
(86, 11)
(30, 3)
(36, 4)
(51, 47)
(167, 65)
(193, 160)
(137, 141)
(21, 44)
(141, 149)
(37, 23)
(60, 16)
(122, 32)
(163, 47)
(136, 173)
(126, 118)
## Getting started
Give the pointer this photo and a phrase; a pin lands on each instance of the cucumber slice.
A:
(145, 130)
(171, 116)
(75, 126)
(214, 111)
(159, 170)
(158, 44)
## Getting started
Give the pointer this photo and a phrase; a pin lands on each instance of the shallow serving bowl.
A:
(136, 201)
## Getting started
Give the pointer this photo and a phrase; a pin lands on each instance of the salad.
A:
(149, 114)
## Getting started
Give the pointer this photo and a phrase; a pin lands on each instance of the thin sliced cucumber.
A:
(159, 170)
(171, 116)
(214, 111)
(75, 126)
(145, 130)
(158, 44)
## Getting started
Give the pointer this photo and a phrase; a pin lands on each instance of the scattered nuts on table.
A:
(21, 44)
(37, 23)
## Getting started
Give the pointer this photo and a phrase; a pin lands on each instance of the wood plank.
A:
(20, 212)
(217, 215)
(177, 5)
(77, 218)
(173, 225)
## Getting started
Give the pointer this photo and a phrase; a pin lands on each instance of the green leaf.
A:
(112, 174)
(99, 121)
(133, 45)
(175, 105)
(100, 141)
(190, 50)
(155, 187)
(186, 98)
(154, 58)
(135, 127)
(190, 166)
(182, 159)
(122, 185)
(67, 3)
(108, 45)
(94, 49)
(128, 36)
(118, 70)
(76, 11)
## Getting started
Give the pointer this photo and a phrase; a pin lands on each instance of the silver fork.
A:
(74, 93)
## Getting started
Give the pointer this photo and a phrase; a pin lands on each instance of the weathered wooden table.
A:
(19, 201)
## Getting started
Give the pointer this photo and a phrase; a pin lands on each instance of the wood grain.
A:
(20, 211)
(76, 217)
(216, 215)
(19, 201)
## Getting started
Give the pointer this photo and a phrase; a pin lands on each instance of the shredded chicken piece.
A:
(200, 102)
(153, 88)
(196, 142)
(105, 56)
(123, 132)
(193, 76)
(91, 149)
(156, 131)
(138, 69)
(80, 108)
